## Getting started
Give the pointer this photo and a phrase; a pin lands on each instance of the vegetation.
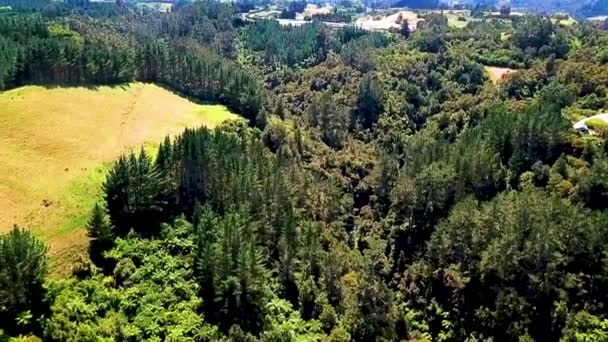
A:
(38, 132)
(382, 187)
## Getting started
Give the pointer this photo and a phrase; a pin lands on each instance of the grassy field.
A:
(56, 146)
(458, 19)
(564, 22)
(497, 74)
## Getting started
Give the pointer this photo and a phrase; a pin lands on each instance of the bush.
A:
(275, 135)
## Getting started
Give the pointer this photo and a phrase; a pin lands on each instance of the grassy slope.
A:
(55, 146)
(496, 74)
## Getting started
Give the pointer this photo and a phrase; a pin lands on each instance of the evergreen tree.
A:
(369, 101)
(22, 276)
(101, 232)
(404, 30)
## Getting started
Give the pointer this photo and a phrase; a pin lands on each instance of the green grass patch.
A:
(574, 114)
(457, 20)
(564, 22)
(597, 124)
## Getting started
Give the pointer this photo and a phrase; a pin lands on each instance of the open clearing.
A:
(498, 74)
(379, 22)
(56, 145)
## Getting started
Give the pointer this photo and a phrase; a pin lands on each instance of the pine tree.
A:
(205, 225)
(117, 197)
(405, 29)
(22, 274)
(279, 109)
(369, 101)
(101, 232)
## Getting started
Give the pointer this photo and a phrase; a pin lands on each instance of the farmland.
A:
(56, 143)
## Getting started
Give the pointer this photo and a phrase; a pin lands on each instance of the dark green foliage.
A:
(202, 74)
(229, 266)
(527, 243)
(404, 30)
(132, 191)
(536, 35)
(431, 38)
(302, 45)
(593, 186)
(36, 50)
(333, 121)
(101, 232)
(369, 101)
(359, 53)
(389, 191)
(22, 276)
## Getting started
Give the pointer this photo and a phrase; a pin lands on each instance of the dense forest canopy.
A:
(385, 187)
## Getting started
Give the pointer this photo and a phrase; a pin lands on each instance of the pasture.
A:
(56, 144)
(498, 74)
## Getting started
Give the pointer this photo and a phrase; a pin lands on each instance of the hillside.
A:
(411, 185)
(54, 143)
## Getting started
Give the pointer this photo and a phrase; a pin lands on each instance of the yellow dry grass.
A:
(498, 74)
(56, 145)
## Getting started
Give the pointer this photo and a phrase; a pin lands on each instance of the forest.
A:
(382, 188)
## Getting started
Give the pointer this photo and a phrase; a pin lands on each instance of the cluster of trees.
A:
(202, 74)
(300, 45)
(35, 51)
(293, 8)
(80, 50)
(517, 45)
(392, 193)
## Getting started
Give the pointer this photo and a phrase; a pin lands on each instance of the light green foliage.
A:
(285, 324)
(585, 327)
(156, 300)
(62, 32)
(597, 124)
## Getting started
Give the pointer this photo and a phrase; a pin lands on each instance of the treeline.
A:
(306, 45)
(36, 50)
(202, 74)
(39, 52)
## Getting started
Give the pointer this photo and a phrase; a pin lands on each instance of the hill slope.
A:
(54, 143)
